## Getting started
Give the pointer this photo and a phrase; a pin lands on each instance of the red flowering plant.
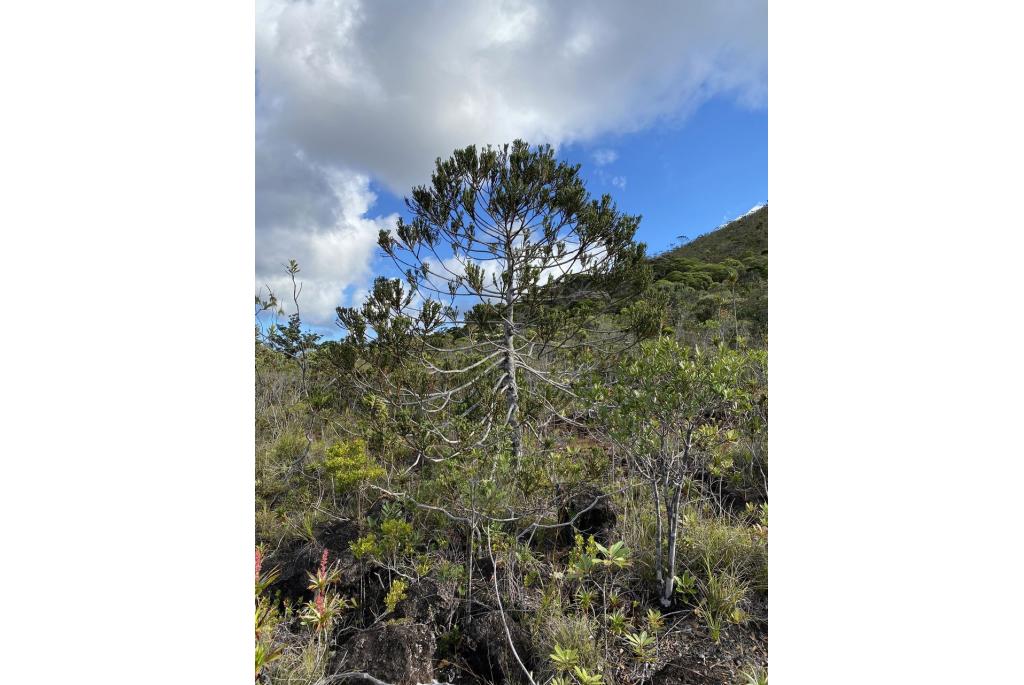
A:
(321, 611)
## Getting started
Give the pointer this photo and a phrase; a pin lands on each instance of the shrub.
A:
(698, 280)
(396, 594)
(289, 446)
(350, 466)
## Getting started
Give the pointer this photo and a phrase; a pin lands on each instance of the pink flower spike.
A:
(323, 564)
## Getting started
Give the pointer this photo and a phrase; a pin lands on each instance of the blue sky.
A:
(684, 178)
(663, 104)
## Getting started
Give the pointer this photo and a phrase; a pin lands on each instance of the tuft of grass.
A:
(722, 545)
(575, 633)
(721, 595)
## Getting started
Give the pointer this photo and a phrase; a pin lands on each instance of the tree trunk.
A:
(673, 538)
(659, 566)
(511, 386)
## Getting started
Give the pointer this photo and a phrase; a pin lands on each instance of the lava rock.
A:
(397, 653)
(588, 517)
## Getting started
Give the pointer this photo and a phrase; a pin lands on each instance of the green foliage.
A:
(395, 594)
(710, 542)
(616, 556)
(574, 633)
(755, 676)
(698, 280)
(289, 446)
(642, 646)
(616, 622)
(365, 546)
(679, 391)
(686, 585)
(746, 235)
(349, 465)
(585, 599)
(721, 595)
(564, 659)
(584, 677)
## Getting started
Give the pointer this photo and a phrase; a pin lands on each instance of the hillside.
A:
(736, 239)
(716, 287)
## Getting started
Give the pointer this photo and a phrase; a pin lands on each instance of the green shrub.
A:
(349, 465)
(718, 272)
(289, 446)
(698, 280)
(396, 594)
(675, 276)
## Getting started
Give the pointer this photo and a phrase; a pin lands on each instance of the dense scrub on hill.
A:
(542, 491)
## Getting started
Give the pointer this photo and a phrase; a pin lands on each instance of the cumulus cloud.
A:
(619, 182)
(316, 216)
(349, 90)
(604, 156)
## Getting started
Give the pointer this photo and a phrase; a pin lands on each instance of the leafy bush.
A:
(349, 465)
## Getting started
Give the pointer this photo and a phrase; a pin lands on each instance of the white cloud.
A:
(351, 90)
(604, 156)
(386, 87)
(315, 216)
(619, 182)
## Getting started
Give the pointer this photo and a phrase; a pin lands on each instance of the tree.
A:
(668, 408)
(509, 265)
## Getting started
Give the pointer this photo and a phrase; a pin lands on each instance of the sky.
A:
(664, 106)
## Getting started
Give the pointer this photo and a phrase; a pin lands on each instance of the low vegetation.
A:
(539, 457)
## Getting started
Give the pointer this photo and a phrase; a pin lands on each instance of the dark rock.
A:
(397, 653)
(486, 651)
(431, 602)
(302, 557)
(591, 512)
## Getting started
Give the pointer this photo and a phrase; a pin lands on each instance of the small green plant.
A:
(616, 622)
(686, 585)
(390, 510)
(755, 676)
(266, 617)
(564, 659)
(396, 594)
(642, 646)
(365, 546)
(723, 593)
(583, 557)
(585, 599)
(396, 536)
(655, 621)
(584, 677)
(266, 655)
(713, 623)
(617, 555)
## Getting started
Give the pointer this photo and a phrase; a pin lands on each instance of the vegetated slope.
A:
(736, 239)
(716, 286)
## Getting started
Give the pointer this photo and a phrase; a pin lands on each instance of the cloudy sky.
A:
(663, 103)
